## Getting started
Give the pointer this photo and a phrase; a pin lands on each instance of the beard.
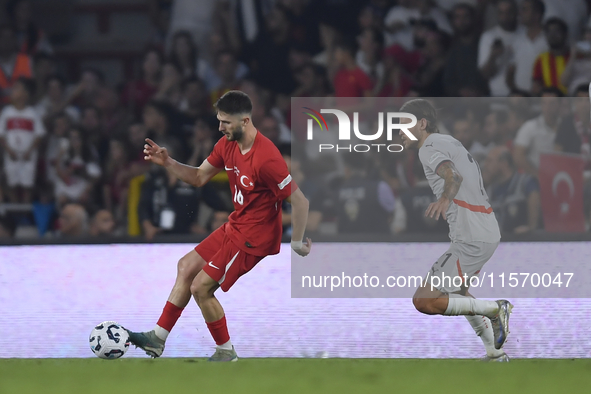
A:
(236, 134)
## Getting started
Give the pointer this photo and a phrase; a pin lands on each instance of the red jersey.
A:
(259, 182)
(351, 83)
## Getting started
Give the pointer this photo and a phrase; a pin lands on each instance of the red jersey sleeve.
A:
(275, 175)
(216, 157)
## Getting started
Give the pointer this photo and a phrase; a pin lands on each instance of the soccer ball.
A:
(109, 340)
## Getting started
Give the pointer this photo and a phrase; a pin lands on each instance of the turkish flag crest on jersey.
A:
(245, 182)
(561, 189)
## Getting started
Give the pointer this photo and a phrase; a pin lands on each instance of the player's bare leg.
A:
(152, 342)
(203, 289)
(432, 301)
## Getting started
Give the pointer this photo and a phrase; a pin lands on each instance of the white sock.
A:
(161, 332)
(461, 305)
(226, 346)
(483, 328)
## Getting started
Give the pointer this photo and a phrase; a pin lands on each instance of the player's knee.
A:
(188, 268)
(199, 290)
(423, 305)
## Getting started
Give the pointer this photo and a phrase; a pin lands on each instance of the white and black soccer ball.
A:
(109, 340)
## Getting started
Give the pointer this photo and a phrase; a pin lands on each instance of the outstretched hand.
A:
(155, 153)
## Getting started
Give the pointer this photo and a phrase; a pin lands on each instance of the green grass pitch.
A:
(286, 376)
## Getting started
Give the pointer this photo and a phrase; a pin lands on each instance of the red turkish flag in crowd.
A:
(561, 189)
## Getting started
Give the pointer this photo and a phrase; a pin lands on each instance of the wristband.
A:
(296, 245)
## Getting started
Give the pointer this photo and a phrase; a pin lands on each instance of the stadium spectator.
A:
(184, 53)
(170, 87)
(31, 39)
(55, 101)
(495, 48)
(537, 135)
(13, 65)
(137, 93)
(159, 119)
(368, 57)
(350, 80)
(304, 20)
(202, 142)
(102, 224)
(73, 221)
(527, 46)
(21, 131)
(462, 76)
(550, 65)
(44, 66)
(169, 206)
(195, 103)
(514, 196)
(573, 12)
(466, 130)
(397, 82)
(311, 80)
(91, 125)
(226, 68)
(573, 134)
(429, 76)
(269, 127)
(87, 90)
(578, 69)
(581, 110)
(116, 178)
(56, 142)
(78, 171)
(363, 205)
(268, 56)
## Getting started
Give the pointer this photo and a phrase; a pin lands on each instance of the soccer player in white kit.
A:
(456, 181)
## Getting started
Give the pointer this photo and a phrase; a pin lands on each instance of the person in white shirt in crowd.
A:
(400, 19)
(21, 131)
(527, 46)
(496, 47)
(537, 135)
(578, 69)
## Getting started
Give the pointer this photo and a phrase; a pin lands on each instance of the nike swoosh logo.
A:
(431, 144)
(228, 169)
(211, 265)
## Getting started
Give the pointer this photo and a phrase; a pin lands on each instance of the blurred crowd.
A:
(71, 145)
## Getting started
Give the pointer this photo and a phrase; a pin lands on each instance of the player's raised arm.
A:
(453, 181)
(196, 176)
(299, 218)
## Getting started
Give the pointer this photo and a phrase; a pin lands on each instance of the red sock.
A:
(170, 315)
(219, 331)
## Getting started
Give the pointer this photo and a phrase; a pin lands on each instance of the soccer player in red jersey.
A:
(259, 181)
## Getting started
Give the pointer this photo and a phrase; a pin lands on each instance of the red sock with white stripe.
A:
(219, 332)
(170, 314)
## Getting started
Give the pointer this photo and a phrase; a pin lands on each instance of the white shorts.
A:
(20, 172)
(462, 260)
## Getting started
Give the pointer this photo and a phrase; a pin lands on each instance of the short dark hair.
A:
(28, 84)
(234, 102)
(539, 6)
(558, 22)
(422, 109)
